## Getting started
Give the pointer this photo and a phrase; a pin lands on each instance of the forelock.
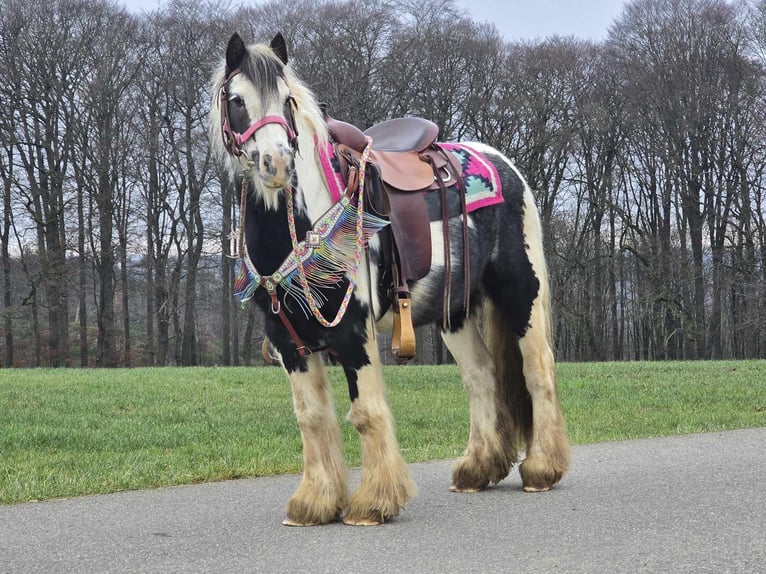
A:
(262, 67)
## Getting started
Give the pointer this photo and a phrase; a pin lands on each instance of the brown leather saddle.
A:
(404, 164)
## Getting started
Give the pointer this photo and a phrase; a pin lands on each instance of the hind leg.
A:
(490, 452)
(547, 446)
(323, 493)
(386, 484)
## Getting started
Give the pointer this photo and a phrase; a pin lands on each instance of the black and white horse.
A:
(274, 138)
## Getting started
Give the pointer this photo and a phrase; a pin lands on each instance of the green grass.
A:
(72, 432)
(617, 401)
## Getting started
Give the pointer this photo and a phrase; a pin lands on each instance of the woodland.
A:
(646, 152)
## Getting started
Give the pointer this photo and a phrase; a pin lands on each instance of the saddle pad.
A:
(480, 177)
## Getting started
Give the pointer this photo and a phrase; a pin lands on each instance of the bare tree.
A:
(442, 66)
(47, 77)
(599, 119)
(647, 155)
(6, 177)
(683, 62)
(112, 70)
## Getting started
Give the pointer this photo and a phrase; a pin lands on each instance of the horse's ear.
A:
(279, 47)
(235, 53)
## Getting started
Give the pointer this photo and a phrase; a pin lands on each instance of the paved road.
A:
(682, 504)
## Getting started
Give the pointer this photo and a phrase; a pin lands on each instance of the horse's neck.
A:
(313, 188)
(268, 233)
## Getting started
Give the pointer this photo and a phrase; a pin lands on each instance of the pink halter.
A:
(234, 141)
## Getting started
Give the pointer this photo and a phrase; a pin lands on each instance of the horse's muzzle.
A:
(274, 166)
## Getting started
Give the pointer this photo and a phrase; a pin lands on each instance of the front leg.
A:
(386, 485)
(322, 494)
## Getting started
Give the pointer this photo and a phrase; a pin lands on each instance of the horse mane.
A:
(262, 65)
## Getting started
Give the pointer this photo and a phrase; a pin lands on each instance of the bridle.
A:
(234, 141)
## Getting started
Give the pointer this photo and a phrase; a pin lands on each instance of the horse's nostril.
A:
(269, 166)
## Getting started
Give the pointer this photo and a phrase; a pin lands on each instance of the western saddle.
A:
(405, 163)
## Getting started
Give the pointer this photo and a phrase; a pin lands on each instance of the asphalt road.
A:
(674, 505)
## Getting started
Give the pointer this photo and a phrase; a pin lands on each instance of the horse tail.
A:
(517, 314)
(511, 389)
(518, 333)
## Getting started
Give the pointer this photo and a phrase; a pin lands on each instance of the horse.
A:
(271, 135)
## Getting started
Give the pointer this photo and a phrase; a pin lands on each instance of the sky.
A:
(520, 19)
(534, 19)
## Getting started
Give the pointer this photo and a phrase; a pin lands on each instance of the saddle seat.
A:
(396, 135)
(395, 150)
(402, 134)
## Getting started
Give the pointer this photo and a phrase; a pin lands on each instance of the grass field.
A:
(72, 432)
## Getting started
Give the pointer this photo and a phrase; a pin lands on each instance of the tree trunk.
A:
(124, 289)
(106, 352)
(82, 279)
(247, 342)
(226, 271)
(6, 261)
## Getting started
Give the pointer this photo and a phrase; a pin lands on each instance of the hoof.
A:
(365, 515)
(373, 504)
(531, 488)
(304, 510)
(364, 521)
(464, 489)
(291, 522)
(539, 476)
(472, 475)
(294, 522)
(363, 512)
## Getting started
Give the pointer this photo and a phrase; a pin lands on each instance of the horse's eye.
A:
(237, 101)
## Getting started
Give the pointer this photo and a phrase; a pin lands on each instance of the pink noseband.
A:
(250, 132)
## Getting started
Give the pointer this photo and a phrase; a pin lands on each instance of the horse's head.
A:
(254, 114)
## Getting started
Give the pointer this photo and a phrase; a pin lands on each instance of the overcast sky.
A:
(520, 19)
(531, 19)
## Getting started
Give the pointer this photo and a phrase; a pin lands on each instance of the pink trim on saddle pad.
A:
(331, 173)
(480, 177)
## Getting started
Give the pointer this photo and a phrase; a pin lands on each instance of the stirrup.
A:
(403, 340)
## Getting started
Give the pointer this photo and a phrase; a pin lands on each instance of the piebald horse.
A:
(268, 129)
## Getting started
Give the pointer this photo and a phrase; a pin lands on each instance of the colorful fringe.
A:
(326, 254)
